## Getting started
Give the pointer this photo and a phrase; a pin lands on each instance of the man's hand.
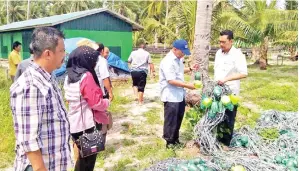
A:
(36, 160)
(190, 86)
(221, 82)
(195, 67)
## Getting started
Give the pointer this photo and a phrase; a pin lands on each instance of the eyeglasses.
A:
(222, 42)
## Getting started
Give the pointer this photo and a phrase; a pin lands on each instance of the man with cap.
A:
(140, 60)
(171, 79)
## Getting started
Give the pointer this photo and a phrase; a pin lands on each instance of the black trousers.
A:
(139, 80)
(227, 127)
(173, 117)
(86, 163)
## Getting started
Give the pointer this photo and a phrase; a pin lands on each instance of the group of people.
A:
(44, 127)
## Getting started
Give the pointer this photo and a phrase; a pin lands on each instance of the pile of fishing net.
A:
(248, 149)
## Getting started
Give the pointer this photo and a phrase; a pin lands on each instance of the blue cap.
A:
(182, 45)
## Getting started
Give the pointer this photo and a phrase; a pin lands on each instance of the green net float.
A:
(234, 99)
(197, 76)
(290, 163)
(284, 161)
(207, 102)
(214, 107)
(225, 100)
(217, 91)
(192, 167)
(238, 144)
(197, 84)
(278, 159)
(292, 169)
(238, 168)
(283, 144)
(244, 140)
(201, 167)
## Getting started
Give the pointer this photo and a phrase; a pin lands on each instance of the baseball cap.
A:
(182, 45)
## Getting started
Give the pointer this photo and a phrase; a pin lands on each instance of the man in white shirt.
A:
(172, 86)
(140, 60)
(102, 72)
(230, 66)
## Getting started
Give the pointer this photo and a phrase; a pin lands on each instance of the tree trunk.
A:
(156, 40)
(201, 45)
(202, 37)
(292, 51)
(7, 12)
(264, 52)
(166, 18)
(105, 4)
(28, 9)
(255, 56)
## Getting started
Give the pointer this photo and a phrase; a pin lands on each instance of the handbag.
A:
(90, 143)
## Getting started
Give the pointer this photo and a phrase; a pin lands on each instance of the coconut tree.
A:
(125, 8)
(154, 15)
(183, 17)
(202, 37)
(289, 40)
(60, 7)
(39, 9)
(255, 19)
(2, 12)
(16, 11)
(79, 6)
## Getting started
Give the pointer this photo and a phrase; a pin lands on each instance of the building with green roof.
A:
(100, 25)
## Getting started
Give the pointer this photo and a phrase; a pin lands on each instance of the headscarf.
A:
(81, 60)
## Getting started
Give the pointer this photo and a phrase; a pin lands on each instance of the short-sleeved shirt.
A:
(227, 64)
(102, 71)
(14, 59)
(139, 60)
(40, 120)
(22, 67)
(171, 68)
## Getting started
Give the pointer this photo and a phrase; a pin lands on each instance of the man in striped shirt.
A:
(39, 115)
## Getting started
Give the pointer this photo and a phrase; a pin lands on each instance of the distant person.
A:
(42, 129)
(14, 59)
(172, 84)
(140, 60)
(24, 64)
(106, 53)
(102, 72)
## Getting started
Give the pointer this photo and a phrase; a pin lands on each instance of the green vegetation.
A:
(121, 164)
(153, 116)
(276, 88)
(269, 133)
(7, 137)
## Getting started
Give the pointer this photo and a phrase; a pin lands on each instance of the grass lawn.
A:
(275, 88)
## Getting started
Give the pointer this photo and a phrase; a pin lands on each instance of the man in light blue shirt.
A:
(171, 79)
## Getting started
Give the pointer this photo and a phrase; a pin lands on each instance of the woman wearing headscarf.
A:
(85, 99)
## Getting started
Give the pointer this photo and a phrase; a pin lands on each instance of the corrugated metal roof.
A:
(58, 19)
